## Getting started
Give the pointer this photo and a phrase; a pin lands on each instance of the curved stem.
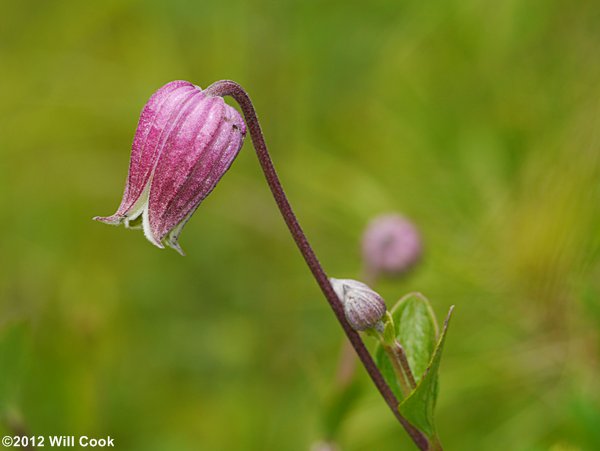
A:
(230, 88)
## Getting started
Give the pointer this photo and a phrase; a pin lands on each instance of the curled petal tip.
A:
(148, 232)
(111, 220)
(177, 247)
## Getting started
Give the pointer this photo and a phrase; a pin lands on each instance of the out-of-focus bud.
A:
(391, 245)
(184, 143)
(324, 446)
(364, 308)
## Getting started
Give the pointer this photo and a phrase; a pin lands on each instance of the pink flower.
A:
(391, 245)
(184, 143)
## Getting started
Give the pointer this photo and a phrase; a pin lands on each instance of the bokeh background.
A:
(478, 120)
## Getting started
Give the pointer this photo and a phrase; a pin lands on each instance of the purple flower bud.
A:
(391, 245)
(184, 143)
(364, 308)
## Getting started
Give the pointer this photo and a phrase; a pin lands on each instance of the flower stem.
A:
(230, 88)
(400, 354)
(400, 374)
(399, 361)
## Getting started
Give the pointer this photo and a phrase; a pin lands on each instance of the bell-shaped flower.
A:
(184, 143)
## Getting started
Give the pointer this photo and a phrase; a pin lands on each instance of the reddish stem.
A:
(230, 88)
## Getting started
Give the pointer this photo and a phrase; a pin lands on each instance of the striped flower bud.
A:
(184, 143)
(363, 307)
(391, 245)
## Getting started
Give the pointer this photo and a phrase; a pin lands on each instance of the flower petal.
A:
(184, 144)
(198, 152)
(151, 132)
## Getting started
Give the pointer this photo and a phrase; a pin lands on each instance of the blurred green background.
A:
(478, 120)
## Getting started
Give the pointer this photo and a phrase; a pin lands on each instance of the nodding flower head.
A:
(185, 142)
(363, 307)
(391, 245)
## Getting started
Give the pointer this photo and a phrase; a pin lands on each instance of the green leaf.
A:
(387, 371)
(416, 329)
(418, 408)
